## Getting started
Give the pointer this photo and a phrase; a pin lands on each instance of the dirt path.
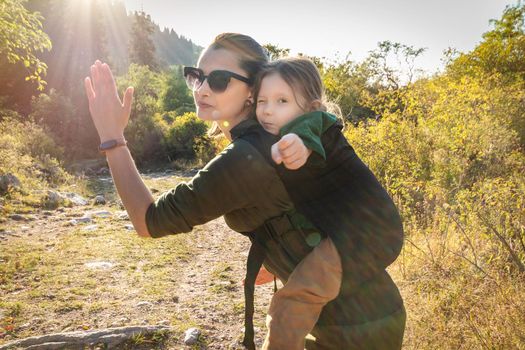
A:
(58, 277)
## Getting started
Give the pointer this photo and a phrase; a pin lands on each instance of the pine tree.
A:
(142, 48)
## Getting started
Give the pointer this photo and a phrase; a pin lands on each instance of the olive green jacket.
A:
(241, 185)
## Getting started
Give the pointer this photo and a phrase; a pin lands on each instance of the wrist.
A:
(117, 137)
(112, 144)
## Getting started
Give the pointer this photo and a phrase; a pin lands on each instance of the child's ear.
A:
(315, 105)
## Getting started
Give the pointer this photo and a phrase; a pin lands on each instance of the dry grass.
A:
(456, 298)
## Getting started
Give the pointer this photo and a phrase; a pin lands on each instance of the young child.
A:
(330, 185)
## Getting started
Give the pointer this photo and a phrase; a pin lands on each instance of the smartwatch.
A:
(106, 146)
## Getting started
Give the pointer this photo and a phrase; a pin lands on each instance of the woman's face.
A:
(228, 106)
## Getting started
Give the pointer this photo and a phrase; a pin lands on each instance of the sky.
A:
(334, 28)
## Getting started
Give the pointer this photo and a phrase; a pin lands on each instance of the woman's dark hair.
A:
(252, 56)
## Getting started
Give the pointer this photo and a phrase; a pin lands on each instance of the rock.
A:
(99, 265)
(100, 213)
(154, 190)
(122, 215)
(91, 228)
(52, 200)
(191, 336)
(85, 219)
(144, 304)
(124, 319)
(25, 325)
(129, 227)
(103, 171)
(17, 217)
(75, 199)
(24, 228)
(7, 182)
(99, 200)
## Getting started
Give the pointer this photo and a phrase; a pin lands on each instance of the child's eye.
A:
(260, 101)
(282, 100)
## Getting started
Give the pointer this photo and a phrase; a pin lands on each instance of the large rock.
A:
(75, 199)
(52, 200)
(7, 182)
(191, 336)
(99, 200)
(18, 217)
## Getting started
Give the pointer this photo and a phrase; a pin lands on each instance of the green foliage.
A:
(495, 207)
(452, 137)
(28, 153)
(501, 51)
(275, 52)
(449, 150)
(21, 36)
(143, 134)
(176, 95)
(58, 116)
(185, 137)
(344, 83)
(142, 48)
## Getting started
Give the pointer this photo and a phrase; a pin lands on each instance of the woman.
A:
(241, 184)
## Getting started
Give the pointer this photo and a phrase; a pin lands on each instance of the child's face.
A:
(276, 104)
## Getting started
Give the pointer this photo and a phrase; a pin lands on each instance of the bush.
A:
(28, 153)
(56, 114)
(185, 137)
(142, 133)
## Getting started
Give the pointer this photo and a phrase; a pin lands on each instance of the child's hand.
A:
(291, 151)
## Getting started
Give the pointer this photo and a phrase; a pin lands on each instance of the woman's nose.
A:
(204, 89)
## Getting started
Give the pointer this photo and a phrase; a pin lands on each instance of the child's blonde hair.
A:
(304, 78)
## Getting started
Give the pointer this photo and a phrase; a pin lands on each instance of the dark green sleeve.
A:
(309, 127)
(226, 184)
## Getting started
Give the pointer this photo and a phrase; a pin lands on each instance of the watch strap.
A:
(110, 144)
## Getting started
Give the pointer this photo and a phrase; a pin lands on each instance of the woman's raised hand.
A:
(108, 112)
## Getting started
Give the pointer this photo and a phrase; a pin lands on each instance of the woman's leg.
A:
(295, 308)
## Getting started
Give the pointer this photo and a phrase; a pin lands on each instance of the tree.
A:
(21, 36)
(142, 48)
(501, 51)
(390, 82)
(176, 96)
(143, 133)
(275, 52)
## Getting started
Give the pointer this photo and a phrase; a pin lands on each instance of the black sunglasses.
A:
(218, 80)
